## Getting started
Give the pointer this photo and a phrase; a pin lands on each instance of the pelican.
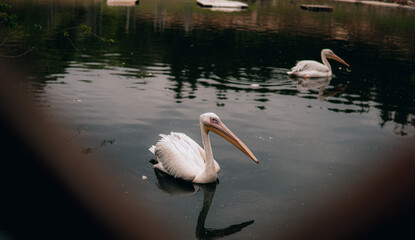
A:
(310, 69)
(181, 157)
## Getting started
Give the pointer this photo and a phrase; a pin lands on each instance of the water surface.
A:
(172, 61)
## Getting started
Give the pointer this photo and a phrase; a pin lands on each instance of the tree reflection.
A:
(204, 49)
(179, 187)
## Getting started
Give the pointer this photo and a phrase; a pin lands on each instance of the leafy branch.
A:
(85, 29)
(7, 19)
(8, 22)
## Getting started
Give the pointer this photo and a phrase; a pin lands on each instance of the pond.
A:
(156, 66)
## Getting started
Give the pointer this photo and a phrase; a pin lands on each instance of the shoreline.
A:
(377, 3)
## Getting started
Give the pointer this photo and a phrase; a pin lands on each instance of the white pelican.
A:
(310, 69)
(181, 157)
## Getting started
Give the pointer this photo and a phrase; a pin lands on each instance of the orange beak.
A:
(227, 134)
(337, 58)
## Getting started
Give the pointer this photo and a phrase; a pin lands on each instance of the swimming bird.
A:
(310, 69)
(181, 157)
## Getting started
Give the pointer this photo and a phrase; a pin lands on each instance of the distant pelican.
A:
(310, 69)
(181, 157)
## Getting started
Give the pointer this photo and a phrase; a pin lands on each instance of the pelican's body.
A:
(181, 157)
(311, 69)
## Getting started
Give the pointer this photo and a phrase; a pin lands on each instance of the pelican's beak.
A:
(227, 134)
(337, 58)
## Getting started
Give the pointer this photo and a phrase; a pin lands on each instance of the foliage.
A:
(10, 21)
(86, 30)
(6, 18)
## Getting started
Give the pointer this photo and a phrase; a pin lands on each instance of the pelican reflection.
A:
(174, 186)
(320, 84)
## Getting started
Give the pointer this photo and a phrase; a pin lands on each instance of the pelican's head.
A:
(211, 122)
(330, 54)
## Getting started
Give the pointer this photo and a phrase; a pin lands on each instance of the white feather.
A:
(309, 68)
(179, 156)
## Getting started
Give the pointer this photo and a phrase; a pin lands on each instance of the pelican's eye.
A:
(214, 121)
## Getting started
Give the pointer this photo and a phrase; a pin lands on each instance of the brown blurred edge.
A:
(50, 191)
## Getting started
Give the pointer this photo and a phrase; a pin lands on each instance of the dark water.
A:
(170, 61)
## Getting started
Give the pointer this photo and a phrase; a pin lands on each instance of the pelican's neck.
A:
(208, 174)
(325, 61)
(208, 151)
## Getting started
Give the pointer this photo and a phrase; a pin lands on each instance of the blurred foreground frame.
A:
(49, 191)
